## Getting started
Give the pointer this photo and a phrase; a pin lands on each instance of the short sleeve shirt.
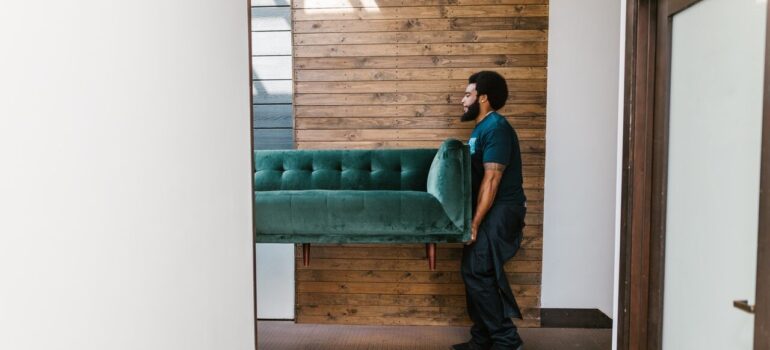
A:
(495, 141)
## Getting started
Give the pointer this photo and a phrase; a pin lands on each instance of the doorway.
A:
(694, 243)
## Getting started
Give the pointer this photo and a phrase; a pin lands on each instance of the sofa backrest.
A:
(385, 169)
(449, 180)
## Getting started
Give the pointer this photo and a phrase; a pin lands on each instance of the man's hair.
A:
(491, 84)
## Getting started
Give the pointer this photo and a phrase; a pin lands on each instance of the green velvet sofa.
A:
(363, 196)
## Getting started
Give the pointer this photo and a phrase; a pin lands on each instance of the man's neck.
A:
(483, 115)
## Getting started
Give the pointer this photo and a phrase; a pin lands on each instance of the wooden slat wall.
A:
(391, 73)
(271, 66)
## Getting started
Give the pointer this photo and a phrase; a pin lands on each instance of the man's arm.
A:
(493, 172)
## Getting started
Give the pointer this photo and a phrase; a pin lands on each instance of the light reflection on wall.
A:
(340, 6)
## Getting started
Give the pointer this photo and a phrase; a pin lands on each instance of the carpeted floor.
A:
(285, 335)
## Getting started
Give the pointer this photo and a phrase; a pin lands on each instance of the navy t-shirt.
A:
(495, 141)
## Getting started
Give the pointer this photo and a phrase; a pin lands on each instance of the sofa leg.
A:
(430, 249)
(305, 254)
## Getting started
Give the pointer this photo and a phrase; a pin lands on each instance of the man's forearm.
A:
(487, 193)
(493, 173)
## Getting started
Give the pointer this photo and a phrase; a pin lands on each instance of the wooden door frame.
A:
(762, 309)
(643, 199)
(251, 175)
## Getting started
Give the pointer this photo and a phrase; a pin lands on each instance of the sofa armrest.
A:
(449, 180)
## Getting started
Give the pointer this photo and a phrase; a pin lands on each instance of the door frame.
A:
(643, 199)
(762, 309)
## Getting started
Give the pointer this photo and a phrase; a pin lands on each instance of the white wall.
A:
(581, 157)
(125, 175)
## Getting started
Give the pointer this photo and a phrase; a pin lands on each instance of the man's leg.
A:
(510, 337)
(479, 333)
(483, 293)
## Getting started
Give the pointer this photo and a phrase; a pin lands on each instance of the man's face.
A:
(470, 97)
(471, 107)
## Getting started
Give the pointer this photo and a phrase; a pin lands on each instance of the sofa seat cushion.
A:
(345, 216)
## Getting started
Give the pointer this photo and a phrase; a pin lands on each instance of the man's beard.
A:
(472, 113)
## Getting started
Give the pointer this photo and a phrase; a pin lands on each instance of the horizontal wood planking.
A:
(491, 11)
(520, 110)
(406, 98)
(525, 290)
(417, 251)
(401, 321)
(407, 123)
(416, 24)
(518, 278)
(393, 311)
(493, 23)
(370, 293)
(401, 134)
(427, 12)
(428, 61)
(417, 265)
(529, 47)
(312, 4)
(384, 74)
(455, 87)
(526, 146)
(532, 235)
(402, 276)
(483, 36)
(392, 77)
(356, 26)
(394, 299)
(374, 311)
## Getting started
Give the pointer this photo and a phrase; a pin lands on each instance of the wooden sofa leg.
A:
(305, 254)
(430, 249)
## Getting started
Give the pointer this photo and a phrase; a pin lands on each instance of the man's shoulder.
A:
(498, 125)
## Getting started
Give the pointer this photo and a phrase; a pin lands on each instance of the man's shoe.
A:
(469, 346)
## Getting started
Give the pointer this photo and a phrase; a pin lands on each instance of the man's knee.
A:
(479, 283)
(475, 270)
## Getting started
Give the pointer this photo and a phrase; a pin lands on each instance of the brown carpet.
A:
(285, 335)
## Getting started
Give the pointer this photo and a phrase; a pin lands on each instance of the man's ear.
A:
(483, 98)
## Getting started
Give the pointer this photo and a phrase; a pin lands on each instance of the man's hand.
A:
(474, 233)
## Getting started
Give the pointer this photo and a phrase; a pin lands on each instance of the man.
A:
(499, 207)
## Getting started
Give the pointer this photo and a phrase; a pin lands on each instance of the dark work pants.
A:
(489, 298)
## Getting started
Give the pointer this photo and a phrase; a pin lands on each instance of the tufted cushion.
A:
(352, 217)
(404, 170)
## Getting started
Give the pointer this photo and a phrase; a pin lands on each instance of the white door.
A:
(717, 60)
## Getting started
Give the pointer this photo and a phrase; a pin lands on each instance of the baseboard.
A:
(574, 318)
(275, 319)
